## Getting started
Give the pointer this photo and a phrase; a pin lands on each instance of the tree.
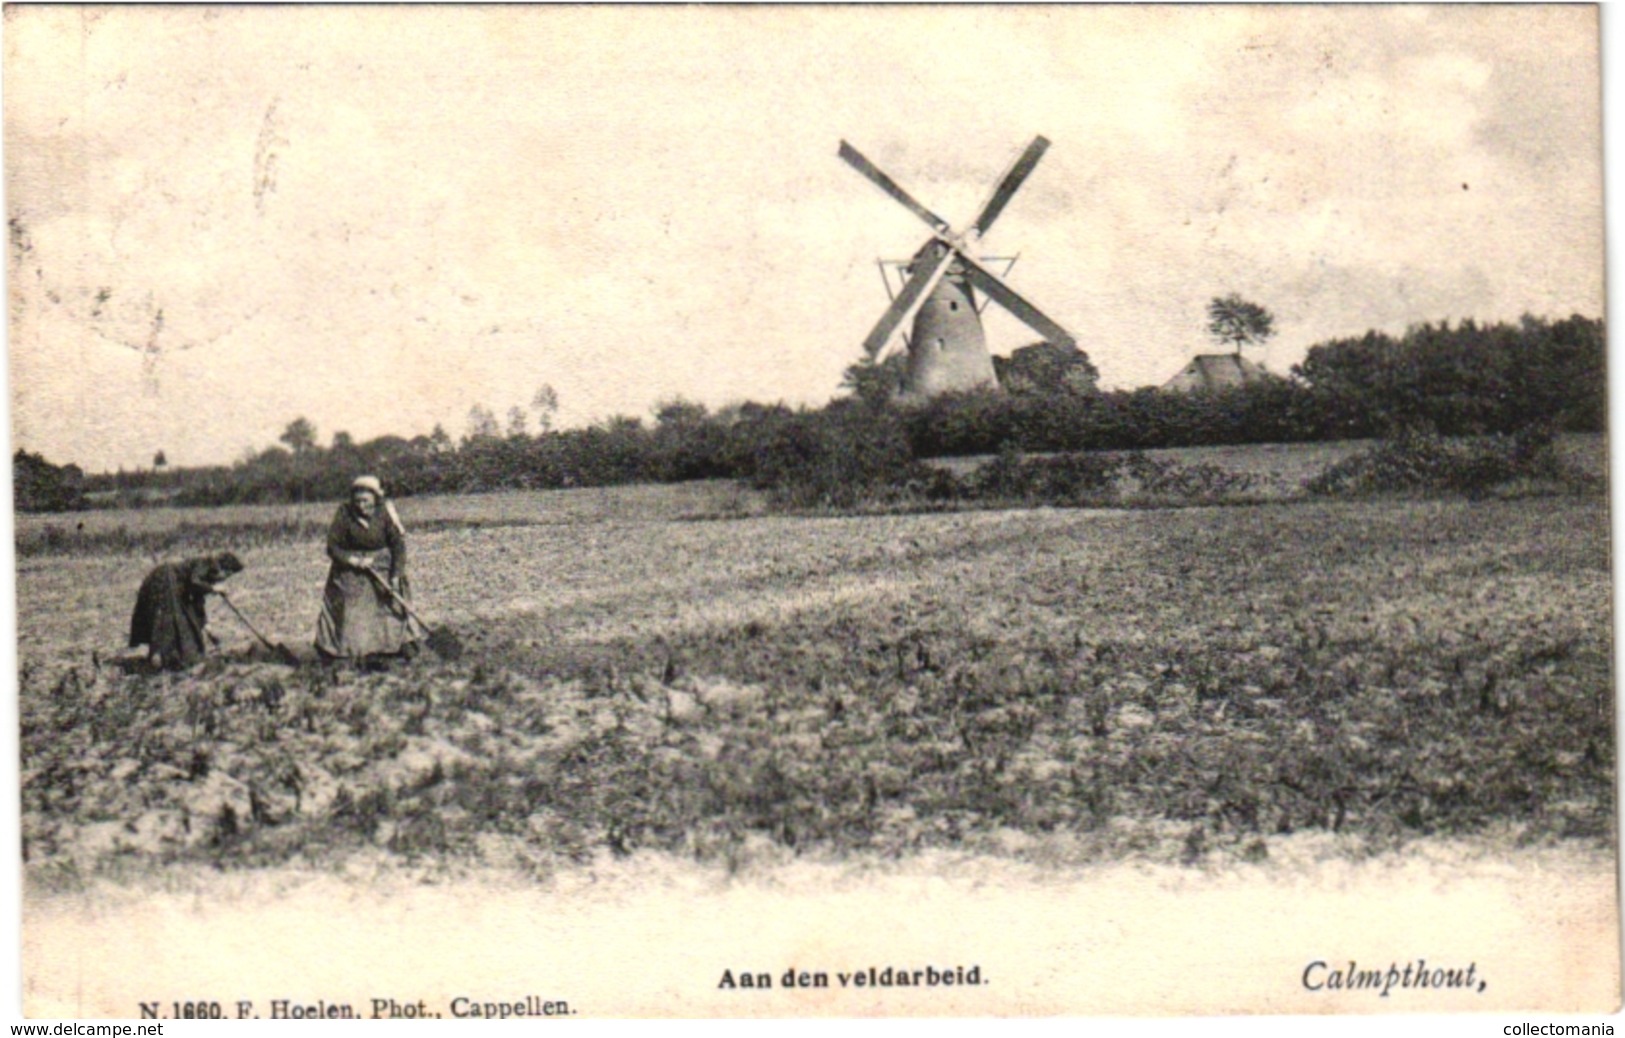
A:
(686, 442)
(675, 411)
(516, 422)
(482, 424)
(39, 486)
(300, 436)
(1465, 380)
(620, 424)
(1046, 367)
(159, 460)
(387, 449)
(546, 405)
(1235, 322)
(439, 440)
(875, 383)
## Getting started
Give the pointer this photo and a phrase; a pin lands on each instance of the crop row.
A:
(1063, 685)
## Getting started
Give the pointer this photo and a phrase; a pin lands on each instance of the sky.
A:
(379, 217)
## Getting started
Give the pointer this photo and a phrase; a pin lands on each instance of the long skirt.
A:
(169, 618)
(359, 619)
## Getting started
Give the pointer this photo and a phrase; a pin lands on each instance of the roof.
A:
(1216, 371)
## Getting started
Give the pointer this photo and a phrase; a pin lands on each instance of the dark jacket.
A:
(349, 535)
(169, 617)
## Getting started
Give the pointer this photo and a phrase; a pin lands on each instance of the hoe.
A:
(443, 641)
(282, 653)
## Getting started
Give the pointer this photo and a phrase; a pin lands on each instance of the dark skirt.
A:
(169, 617)
(359, 619)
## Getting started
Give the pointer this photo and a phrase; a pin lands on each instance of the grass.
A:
(1060, 685)
(1201, 475)
(1280, 470)
(167, 531)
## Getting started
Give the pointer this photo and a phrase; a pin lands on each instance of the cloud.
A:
(345, 200)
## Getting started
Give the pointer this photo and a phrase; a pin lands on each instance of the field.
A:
(1063, 687)
(1267, 472)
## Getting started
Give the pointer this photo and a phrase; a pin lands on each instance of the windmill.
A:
(947, 348)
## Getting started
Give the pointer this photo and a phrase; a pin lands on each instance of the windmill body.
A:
(947, 350)
(948, 347)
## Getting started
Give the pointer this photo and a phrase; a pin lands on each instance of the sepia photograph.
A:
(929, 511)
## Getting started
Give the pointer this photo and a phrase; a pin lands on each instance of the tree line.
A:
(1460, 380)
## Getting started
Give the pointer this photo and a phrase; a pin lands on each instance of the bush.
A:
(39, 486)
(840, 457)
(960, 424)
(1200, 482)
(1084, 479)
(1463, 381)
(1420, 461)
(1062, 479)
(1467, 380)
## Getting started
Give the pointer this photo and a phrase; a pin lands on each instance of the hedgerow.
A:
(1467, 380)
(1423, 462)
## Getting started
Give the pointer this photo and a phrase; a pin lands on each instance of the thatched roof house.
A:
(1216, 371)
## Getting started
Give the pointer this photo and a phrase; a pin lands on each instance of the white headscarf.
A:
(375, 487)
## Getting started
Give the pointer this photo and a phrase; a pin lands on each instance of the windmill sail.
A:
(1007, 297)
(1007, 187)
(913, 293)
(947, 347)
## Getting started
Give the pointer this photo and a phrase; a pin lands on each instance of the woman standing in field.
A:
(360, 619)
